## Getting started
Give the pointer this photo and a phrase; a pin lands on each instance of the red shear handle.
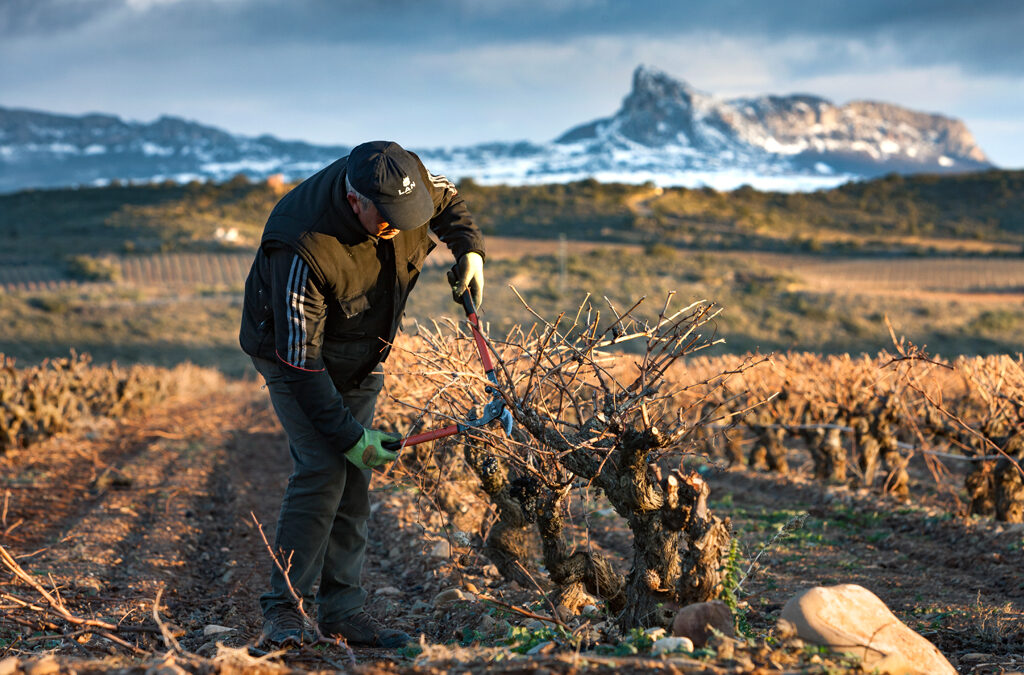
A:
(431, 435)
(474, 322)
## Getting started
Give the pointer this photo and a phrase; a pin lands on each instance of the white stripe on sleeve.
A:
(297, 278)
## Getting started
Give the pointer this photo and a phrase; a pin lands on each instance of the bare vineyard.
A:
(634, 430)
(599, 435)
(863, 420)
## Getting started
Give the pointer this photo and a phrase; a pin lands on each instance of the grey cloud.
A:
(979, 37)
(49, 17)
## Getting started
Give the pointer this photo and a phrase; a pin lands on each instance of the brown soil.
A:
(114, 514)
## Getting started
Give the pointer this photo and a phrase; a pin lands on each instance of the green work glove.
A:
(371, 450)
(468, 273)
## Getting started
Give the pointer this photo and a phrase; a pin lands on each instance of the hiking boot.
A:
(284, 626)
(363, 629)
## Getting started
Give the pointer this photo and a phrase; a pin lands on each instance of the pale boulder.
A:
(851, 619)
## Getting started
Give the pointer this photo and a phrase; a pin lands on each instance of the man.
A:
(324, 298)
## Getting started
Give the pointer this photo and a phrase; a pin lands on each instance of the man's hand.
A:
(468, 273)
(370, 450)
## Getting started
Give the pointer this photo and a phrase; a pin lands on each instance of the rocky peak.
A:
(655, 89)
(663, 113)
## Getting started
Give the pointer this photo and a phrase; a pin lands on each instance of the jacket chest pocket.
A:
(345, 318)
(353, 307)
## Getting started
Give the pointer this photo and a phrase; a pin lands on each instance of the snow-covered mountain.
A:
(39, 149)
(665, 131)
(673, 124)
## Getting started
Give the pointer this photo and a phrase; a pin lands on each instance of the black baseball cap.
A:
(387, 175)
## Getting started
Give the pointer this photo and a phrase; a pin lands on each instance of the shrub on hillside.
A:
(44, 400)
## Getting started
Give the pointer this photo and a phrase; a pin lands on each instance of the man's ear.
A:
(354, 203)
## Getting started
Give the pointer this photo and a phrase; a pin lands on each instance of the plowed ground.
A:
(113, 514)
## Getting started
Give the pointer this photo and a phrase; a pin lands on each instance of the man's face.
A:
(371, 219)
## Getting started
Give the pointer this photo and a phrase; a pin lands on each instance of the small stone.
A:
(9, 666)
(395, 552)
(785, 630)
(667, 645)
(534, 624)
(388, 590)
(441, 549)
(655, 633)
(44, 666)
(214, 629)
(700, 620)
(975, 656)
(587, 610)
(450, 596)
(541, 648)
(491, 571)
(471, 587)
(725, 647)
(487, 624)
(420, 606)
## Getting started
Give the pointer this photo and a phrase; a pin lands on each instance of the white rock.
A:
(442, 549)
(852, 619)
(672, 644)
(588, 609)
(388, 590)
(214, 629)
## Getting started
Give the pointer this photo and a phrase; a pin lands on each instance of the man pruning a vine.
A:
(323, 302)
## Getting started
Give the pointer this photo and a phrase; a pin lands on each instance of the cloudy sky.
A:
(452, 72)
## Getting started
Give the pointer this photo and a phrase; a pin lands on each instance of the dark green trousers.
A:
(322, 524)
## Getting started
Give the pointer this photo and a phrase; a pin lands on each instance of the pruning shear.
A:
(494, 409)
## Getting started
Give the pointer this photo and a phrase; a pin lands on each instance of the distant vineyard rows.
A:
(937, 274)
(864, 419)
(866, 422)
(964, 275)
(186, 269)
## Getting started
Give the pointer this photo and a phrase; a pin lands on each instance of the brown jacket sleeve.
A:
(452, 222)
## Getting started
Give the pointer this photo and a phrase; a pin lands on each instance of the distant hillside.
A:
(665, 131)
(952, 214)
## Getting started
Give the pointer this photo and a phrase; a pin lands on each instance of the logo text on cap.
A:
(407, 186)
